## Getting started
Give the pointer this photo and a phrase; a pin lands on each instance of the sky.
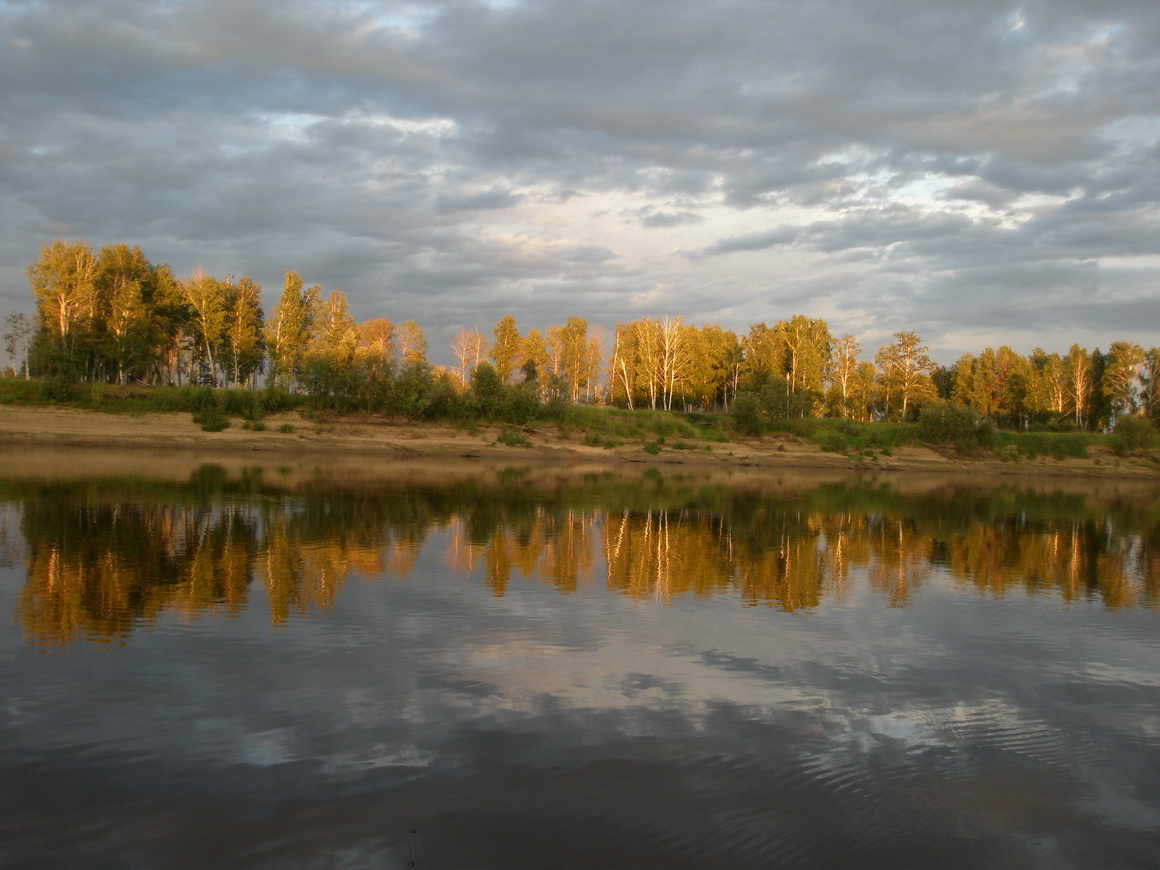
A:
(978, 172)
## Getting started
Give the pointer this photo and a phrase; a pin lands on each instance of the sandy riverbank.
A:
(423, 442)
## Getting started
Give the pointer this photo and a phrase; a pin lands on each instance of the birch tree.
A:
(807, 354)
(505, 350)
(469, 346)
(1077, 368)
(1120, 378)
(288, 330)
(1149, 380)
(243, 347)
(412, 346)
(63, 281)
(19, 332)
(622, 365)
(844, 375)
(904, 374)
(205, 297)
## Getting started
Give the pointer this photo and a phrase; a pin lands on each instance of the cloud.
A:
(396, 151)
(750, 242)
(666, 219)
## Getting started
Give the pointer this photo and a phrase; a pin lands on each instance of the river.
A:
(288, 666)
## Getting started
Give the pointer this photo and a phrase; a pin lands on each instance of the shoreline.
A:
(365, 438)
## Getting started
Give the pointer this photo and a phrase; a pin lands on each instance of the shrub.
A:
(831, 441)
(246, 404)
(652, 448)
(746, 413)
(512, 437)
(199, 399)
(211, 420)
(56, 387)
(523, 403)
(945, 422)
(948, 423)
(1131, 434)
(488, 391)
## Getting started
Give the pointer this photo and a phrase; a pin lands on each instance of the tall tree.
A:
(376, 350)
(808, 355)
(1077, 367)
(650, 373)
(1047, 390)
(205, 297)
(288, 331)
(536, 359)
(763, 351)
(674, 357)
(63, 281)
(412, 346)
(622, 366)
(1150, 385)
(904, 373)
(243, 347)
(378, 342)
(469, 346)
(505, 350)
(328, 364)
(1118, 385)
(719, 366)
(126, 339)
(844, 375)
(19, 332)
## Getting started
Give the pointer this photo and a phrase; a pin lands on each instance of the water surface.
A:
(291, 668)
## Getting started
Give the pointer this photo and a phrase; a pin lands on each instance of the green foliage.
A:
(654, 448)
(409, 397)
(522, 403)
(849, 436)
(746, 412)
(443, 401)
(1058, 445)
(201, 399)
(779, 403)
(616, 425)
(1132, 434)
(948, 423)
(512, 437)
(211, 420)
(246, 404)
(56, 387)
(18, 390)
(487, 389)
(592, 439)
(286, 428)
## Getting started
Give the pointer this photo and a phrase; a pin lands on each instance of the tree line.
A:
(112, 316)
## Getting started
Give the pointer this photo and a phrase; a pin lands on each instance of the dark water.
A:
(235, 669)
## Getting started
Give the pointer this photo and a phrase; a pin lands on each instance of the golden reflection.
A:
(100, 563)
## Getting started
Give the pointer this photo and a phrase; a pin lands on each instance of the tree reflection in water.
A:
(105, 556)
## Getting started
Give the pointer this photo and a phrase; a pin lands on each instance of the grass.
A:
(1013, 446)
(606, 427)
(849, 436)
(211, 420)
(17, 391)
(512, 437)
(114, 399)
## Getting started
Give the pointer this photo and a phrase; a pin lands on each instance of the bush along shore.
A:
(507, 417)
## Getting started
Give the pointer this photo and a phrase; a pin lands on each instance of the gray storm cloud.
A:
(452, 162)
